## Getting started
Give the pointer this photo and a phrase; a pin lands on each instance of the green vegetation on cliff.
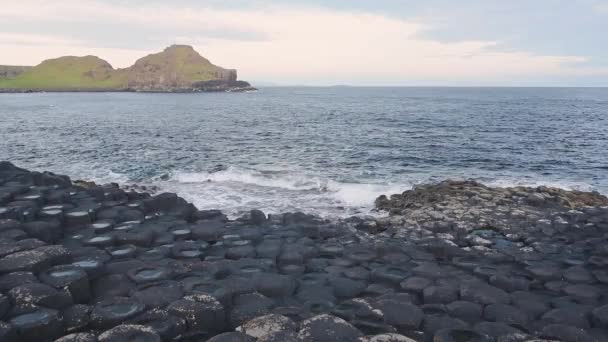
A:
(177, 67)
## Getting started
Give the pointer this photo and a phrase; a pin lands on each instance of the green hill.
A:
(178, 67)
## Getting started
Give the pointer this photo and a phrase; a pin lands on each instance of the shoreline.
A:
(451, 259)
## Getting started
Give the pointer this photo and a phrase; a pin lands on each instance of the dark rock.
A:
(401, 314)
(158, 295)
(76, 317)
(40, 294)
(506, 314)
(271, 327)
(49, 232)
(34, 260)
(460, 335)
(435, 323)
(466, 311)
(347, 288)
(69, 277)
(11, 280)
(43, 323)
(327, 328)
(495, 329)
(248, 306)
(600, 316)
(440, 294)
(167, 326)
(130, 333)
(78, 337)
(483, 294)
(202, 312)
(566, 333)
(571, 315)
(232, 337)
(115, 311)
(415, 284)
(274, 285)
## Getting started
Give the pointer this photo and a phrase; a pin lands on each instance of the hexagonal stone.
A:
(78, 337)
(40, 294)
(158, 295)
(129, 333)
(401, 314)
(440, 294)
(69, 277)
(43, 322)
(585, 293)
(571, 315)
(233, 337)
(328, 328)
(483, 294)
(249, 306)
(112, 312)
(505, 313)
(467, 311)
(8, 281)
(390, 337)
(600, 316)
(34, 260)
(458, 335)
(415, 284)
(579, 274)
(167, 326)
(566, 333)
(495, 329)
(268, 327)
(202, 312)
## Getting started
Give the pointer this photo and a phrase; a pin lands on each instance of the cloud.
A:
(286, 44)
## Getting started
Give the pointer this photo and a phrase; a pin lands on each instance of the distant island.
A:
(179, 68)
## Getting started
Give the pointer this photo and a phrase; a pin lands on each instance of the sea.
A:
(329, 151)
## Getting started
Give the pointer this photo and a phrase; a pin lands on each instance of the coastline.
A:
(451, 259)
(169, 91)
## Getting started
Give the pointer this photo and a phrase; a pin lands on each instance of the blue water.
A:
(328, 151)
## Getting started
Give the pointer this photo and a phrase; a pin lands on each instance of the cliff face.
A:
(177, 68)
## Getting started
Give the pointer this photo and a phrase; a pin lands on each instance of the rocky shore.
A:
(452, 262)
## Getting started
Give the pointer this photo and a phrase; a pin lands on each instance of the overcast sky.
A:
(326, 42)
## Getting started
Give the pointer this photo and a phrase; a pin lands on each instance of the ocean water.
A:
(327, 151)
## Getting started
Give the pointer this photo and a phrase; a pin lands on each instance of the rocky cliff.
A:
(177, 68)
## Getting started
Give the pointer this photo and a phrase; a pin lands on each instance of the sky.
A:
(330, 42)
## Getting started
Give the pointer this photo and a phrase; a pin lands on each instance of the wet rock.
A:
(7, 332)
(248, 306)
(460, 335)
(32, 326)
(327, 328)
(35, 260)
(11, 280)
(167, 326)
(401, 314)
(201, 312)
(440, 294)
(483, 294)
(347, 288)
(275, 285)
(69, 277)
(112, 312)
(566, 333)
(76, 317)
(129, 333)
(600, 316)
(113, 285)
(573, 316)
(415, 284)
(495, 329)
(158, 295)
(49, 232)
(466, 311)
(505, 313)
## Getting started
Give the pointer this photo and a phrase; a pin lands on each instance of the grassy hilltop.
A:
(177, 67)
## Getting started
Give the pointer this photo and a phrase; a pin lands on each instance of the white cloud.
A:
(299, 45)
